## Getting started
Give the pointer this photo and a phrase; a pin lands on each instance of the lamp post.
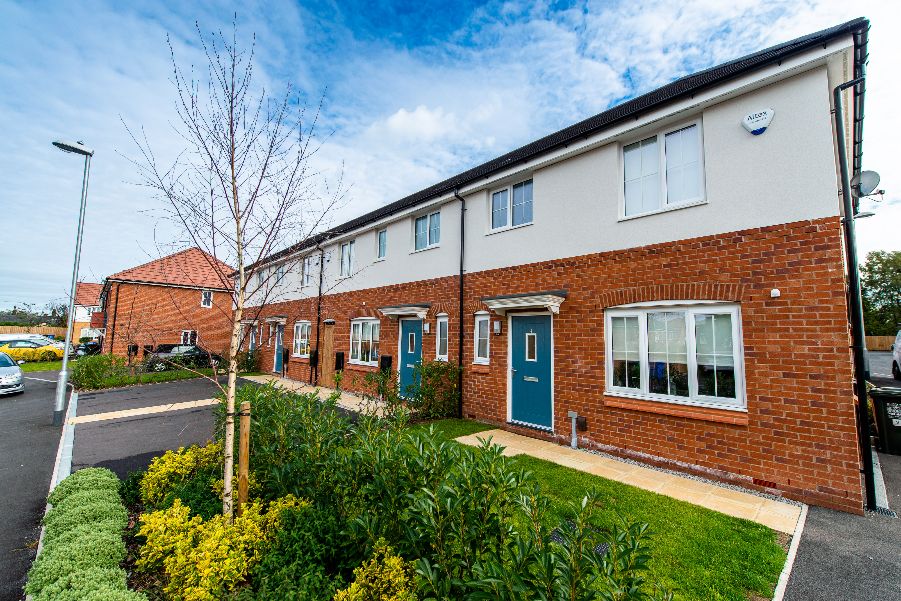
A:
(63, 380)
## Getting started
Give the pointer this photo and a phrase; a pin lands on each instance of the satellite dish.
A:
(864, 183)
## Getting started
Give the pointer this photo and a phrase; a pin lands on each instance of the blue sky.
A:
(415, 92)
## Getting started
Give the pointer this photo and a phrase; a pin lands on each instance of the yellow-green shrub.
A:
(205, 559)
(385, 577)
(174, 467)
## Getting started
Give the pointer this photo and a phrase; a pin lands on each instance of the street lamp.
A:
(63, 380)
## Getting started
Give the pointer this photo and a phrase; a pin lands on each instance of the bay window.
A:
(677, 352)
(364, 341)
(302, 339)
(663, 171)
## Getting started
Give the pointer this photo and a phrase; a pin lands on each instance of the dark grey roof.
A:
(671, 92)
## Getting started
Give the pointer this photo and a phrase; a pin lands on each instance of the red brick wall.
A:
(150, 315)
(798, 435)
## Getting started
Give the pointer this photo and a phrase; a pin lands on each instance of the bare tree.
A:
(242, 188)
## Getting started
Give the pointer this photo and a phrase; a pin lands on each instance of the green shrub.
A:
(83, 545)
(99, 371)
(437, 394)
(130, 488)
(248, 361)
(173, 469)
(385, 577)
(92, 478)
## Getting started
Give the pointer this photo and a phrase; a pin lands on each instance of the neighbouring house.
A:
(671, 269)
(87, 302)
(183, 298)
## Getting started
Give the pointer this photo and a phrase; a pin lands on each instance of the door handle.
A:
(512, 370)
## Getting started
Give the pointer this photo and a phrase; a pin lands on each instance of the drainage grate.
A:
(883, 511)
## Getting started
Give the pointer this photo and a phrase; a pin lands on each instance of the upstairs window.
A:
(302, 339)
(512, 206)
(279, 273)
(382, 244)
(663, 171)
(347, 259)
(309, 270)
(678, 353)
(206, 298)
(427, 231)
(261, 278)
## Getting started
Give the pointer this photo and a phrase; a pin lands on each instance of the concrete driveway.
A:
(28, 444)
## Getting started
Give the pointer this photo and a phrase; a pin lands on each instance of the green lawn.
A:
(698, 553)
(42, 365)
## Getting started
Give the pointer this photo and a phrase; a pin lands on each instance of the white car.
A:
(11, 380)
(896, 357)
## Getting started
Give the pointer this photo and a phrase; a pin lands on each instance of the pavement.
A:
(28, 445)
(123, 429)
(881, 369)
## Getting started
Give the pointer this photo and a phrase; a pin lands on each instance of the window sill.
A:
(379, 260)
(422, 250)
(667, 209)
(736, 417)
(508, 228)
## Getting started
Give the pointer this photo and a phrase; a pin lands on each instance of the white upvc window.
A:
(364, 341)
(347, 259)
(302, 339)
(206, 299)
(188, 337)
(482, 339)
(427, 231)
(511, 206)
(309, 270)
(381, 249)
(261, 277)
(664, 171)
(441, 338)
(680, 352)
(279, 273)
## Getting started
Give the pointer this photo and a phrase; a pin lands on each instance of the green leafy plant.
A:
(436, 394)
(90, 479)
(385, 577)
(98, 371)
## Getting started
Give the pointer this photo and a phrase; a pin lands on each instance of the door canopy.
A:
(414, 310)
(549, 300)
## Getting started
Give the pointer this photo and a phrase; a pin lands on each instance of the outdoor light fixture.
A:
(63, 379)
(497, 328)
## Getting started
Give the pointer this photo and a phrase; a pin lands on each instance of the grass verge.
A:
(42, 366)
(699, 553)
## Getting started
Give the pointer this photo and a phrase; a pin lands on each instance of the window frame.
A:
(306, 275)
(350, 262)
(690, 308)
(428, 231)
(297, 338)
(203, 302)
(509, 224)
(442, 319)
(279, 273)
(357, 361)
(379, 254)
(189, 343)
(660, 136)
(476, 359)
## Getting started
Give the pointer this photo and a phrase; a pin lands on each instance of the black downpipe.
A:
(460, 317)
(855, 306)
(318, 316)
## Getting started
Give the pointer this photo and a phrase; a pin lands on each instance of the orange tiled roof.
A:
(191, 267)
(87, 294)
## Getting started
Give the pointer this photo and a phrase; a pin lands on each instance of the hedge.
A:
(83, 544)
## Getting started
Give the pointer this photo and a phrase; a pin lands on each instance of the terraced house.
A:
(671, 270)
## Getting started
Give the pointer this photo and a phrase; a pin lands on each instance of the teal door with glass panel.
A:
(279, 344)
(410, 354)
(531, 348)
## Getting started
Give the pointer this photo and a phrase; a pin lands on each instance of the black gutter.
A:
(855, 304)
(460, 311)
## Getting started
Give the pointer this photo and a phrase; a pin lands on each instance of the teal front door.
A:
(410, 354)
(530, 370)
(279, 344)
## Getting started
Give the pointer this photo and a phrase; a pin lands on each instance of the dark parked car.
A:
(86, 349)
(167, 355)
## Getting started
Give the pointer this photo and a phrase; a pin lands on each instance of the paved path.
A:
(28, 444)
(773, 514)
(848, 557)
(123, 429)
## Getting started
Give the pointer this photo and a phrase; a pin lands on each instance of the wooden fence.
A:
(58, 332)
(880, 343)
